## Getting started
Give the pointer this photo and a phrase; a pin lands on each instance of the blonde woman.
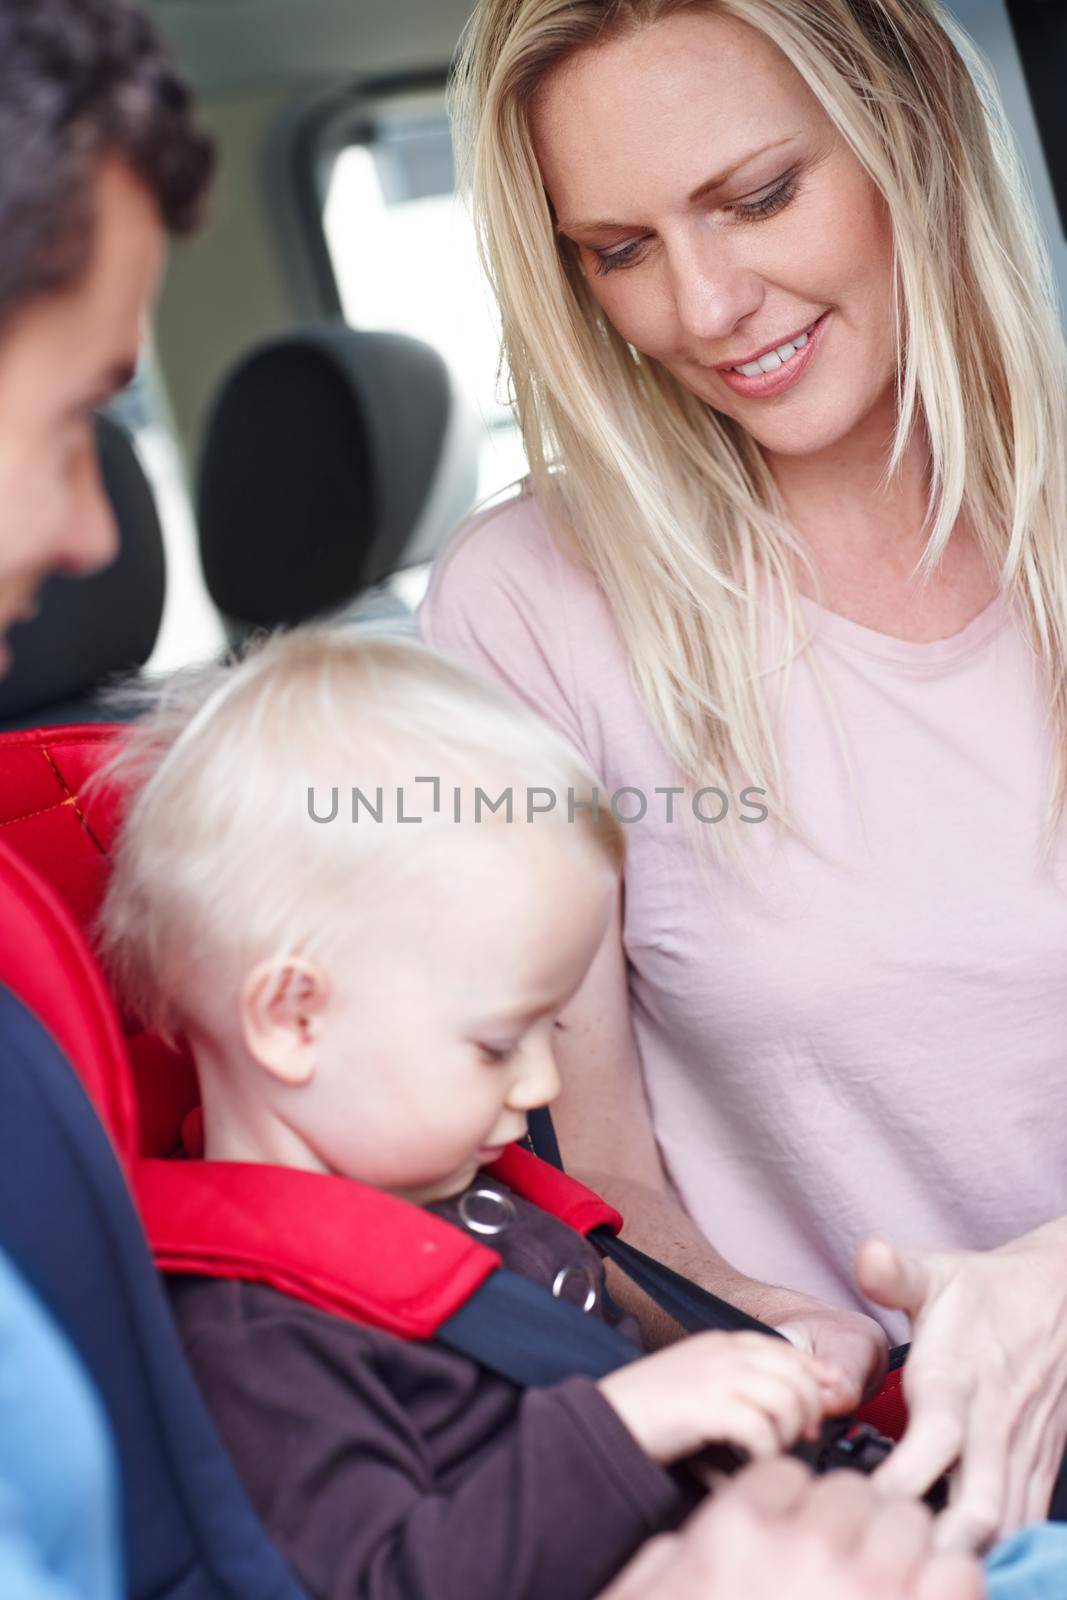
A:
(792, 386)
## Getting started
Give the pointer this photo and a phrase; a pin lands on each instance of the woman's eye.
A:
(608, 260)
(776, 200)
(627, 255)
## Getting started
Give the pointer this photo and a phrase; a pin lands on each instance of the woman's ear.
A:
(282, 1003)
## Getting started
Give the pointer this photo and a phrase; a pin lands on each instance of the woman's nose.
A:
(713, 294)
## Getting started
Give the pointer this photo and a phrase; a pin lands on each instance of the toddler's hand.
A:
(749, 1390)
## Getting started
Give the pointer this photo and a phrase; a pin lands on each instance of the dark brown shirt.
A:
(388, 1469)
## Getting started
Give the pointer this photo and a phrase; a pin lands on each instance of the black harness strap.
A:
(695, 1308)
(522, 1332)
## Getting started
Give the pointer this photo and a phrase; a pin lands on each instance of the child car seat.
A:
(190, 1531)
(68, 1130)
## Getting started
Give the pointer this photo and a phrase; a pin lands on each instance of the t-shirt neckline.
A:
(885, 647)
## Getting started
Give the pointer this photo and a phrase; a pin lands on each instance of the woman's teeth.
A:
(774, 358)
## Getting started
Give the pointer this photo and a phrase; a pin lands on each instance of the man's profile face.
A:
(61, 356)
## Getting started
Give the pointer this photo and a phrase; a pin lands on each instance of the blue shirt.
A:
(1031, 1565)
(59, 1503)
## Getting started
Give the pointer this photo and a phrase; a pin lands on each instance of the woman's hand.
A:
(773, 1531)
(856, 1345)
(986, 1380)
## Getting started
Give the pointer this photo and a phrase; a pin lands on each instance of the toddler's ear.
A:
(282, 1002)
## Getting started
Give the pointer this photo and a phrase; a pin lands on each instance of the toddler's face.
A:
(438, 1038)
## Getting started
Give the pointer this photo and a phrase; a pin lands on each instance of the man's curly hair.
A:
(81, 80)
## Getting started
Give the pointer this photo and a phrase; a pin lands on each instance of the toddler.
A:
(369, 964)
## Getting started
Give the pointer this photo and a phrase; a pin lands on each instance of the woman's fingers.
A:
(853, 1345)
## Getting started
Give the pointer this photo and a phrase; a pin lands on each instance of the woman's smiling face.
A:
(719, 214)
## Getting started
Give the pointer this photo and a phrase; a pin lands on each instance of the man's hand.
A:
(986, 1379)
(774, 1531)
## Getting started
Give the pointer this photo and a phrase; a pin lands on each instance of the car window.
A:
(403, 250)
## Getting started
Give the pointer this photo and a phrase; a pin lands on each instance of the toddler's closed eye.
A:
(496, 1052)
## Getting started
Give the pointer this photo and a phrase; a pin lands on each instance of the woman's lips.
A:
(783, 377)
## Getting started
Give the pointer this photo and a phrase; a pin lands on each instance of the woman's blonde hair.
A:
(670, 504)
(227, 783)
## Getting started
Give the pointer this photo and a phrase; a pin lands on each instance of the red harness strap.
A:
(335, 1244)
(546, 1186)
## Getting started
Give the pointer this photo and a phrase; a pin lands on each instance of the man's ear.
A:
(282, 1003)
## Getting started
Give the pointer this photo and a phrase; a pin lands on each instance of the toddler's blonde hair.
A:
(219, 861)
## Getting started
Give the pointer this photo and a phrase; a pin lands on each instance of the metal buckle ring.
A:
(486, 1225)
(565, 1275)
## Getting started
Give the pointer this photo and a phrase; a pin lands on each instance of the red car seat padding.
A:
(338, 1245)
(44, 961)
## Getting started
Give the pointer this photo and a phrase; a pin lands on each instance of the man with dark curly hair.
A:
(99, 159)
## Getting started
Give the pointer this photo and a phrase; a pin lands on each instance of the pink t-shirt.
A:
(879, 1043)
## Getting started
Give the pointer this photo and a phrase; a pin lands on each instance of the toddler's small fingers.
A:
(780, 1356)
(748, 1428)
(810, 1396)
(782, 1399)
(837, 1396)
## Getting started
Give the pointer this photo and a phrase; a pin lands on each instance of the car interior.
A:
(320, 406)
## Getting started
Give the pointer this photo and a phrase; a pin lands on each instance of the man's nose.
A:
(93, 538)
(713, 293)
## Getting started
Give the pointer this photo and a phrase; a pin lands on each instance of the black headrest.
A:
(318, 465)
(89, 630)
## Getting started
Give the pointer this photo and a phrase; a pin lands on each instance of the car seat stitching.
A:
(72, 800)
(9, 822)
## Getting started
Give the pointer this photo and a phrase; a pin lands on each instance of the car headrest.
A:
(333, 458)
(58, 830)
(90, 630)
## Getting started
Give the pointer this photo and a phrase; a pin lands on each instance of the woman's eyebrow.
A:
(699, 193)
